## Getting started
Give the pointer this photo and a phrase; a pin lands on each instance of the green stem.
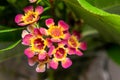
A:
(51, 75)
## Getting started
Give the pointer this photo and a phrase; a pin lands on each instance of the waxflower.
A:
(74, 45)
(42, 64)
(31, 16)
(57, 32)
(60, 55)
(36, 43)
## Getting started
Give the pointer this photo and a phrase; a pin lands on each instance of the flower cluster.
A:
(47, 47)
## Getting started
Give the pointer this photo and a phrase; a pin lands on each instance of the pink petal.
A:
(71, 51)
(55, 40)
(31, 62)
(48, 42)
(79, 53)
(22, 24)
(32, 1)
(29, 53)
(24, 32)
(39, 9)
(51, 50)
(67, 35)
(64, 25)
(30, 28)
(40, 68)
(53, 64)
(37, 31)
(83, 46)
(49, 22)
(42, 55)
(62, 43)
(26, 40)
(28, 8)
(43, 31)
(18, 18)
(66, 63)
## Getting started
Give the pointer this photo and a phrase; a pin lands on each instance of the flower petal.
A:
(26, 39)
(48, 42)
(29, 53)
(53, 64)
(18, 18)
(62, 43)
(31, 62)
(49, 22)
(39, 9)
(66, 63)
(40, 68)
(51, 50)
(24, 32)
(64, 25)
(66, 35)
(22, 24)
(83, 46)
(55, 40)
(37, 31)
(79, 53)
(32, 1)
(28, 8)
(43, 31)
(42, 55)
(30, 28)
(71, 51)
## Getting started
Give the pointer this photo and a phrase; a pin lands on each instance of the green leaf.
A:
(114, 52)
(104, 4)
(47, 8)
(14, 52)
(10, 30)
(11, 46)
(45, 17)
(107, 24)
(10, 34)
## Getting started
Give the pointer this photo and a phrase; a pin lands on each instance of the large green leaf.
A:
(104, 4)
(107, 24)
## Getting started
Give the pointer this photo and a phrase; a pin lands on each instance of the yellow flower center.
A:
(30, 17)
(73, 42)
(55, 32)
(38, 44)
(60, 54)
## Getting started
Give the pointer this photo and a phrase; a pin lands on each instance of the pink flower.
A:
(75, 46)
(60, 55)
(42, 64)
(36, 43)
(31, 16)
(57, 32)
